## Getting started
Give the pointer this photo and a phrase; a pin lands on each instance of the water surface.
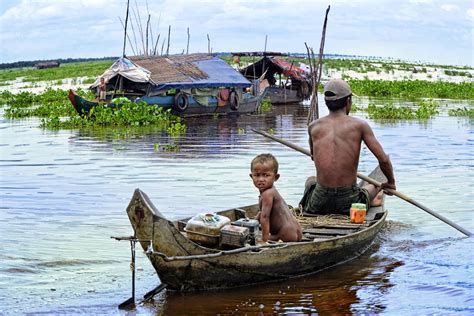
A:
(64, 193)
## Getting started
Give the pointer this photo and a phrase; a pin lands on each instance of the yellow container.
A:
(357, 213)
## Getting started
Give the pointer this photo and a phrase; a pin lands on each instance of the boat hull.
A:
(280, 95)
(186, 266)
(248, 104)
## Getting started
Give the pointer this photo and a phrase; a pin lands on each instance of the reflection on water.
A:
(64, 193)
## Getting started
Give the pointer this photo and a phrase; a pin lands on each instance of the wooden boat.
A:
(270, 69)
(180, 104)
(184, 265)
(280, 95)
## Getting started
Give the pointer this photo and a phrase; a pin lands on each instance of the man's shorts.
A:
(318, 199)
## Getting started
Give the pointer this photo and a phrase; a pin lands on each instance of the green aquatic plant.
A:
(22, 99)
(422, 111)
(356, 108)
(166, 147)
(413, 89)
(52, 102)
(426, 109)
(57, 111)
(462, 112)
(266, 104)
(177, 128)
(390, 112)
(129, 114)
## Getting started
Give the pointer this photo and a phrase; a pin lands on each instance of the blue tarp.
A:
(220, 74)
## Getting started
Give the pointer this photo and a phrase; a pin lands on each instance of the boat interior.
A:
(315, 227)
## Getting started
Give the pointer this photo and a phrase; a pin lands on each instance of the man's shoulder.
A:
(318, 122)
(356, 121)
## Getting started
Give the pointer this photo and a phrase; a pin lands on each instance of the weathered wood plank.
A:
(329, 231)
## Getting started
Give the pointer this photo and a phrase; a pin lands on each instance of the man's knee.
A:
(372, 190)
(309, 182)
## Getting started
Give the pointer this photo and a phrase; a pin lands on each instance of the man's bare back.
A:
(335, 141)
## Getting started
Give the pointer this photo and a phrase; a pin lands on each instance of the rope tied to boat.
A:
(319, 220)
(252, 249)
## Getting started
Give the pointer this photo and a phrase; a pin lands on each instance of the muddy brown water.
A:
(64, 193)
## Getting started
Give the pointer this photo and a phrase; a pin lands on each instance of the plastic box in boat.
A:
(205, 228)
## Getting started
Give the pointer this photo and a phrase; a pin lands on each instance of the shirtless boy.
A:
(275, 217)
(335, 142)
(102, 89)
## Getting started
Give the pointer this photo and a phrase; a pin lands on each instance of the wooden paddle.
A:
(374, 182)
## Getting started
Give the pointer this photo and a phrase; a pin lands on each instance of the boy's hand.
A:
(257, 217)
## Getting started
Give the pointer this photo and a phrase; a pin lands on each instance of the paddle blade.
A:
(128, 304)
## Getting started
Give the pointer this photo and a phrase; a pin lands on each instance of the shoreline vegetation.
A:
(42, 93)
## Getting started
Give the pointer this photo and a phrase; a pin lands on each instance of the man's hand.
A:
(388, 187)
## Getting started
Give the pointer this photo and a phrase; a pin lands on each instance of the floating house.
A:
(188, 84)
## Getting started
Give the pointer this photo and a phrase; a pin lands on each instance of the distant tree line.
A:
(32, 63)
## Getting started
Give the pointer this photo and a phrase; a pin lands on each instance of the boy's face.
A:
(263, 175)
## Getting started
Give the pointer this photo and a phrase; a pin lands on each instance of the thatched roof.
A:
(175, 68)
(160, 73)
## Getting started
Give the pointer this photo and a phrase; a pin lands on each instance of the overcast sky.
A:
(437, 31)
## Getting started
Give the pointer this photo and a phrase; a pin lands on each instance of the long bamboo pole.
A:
(128, 37)
(376, 183)
(169, 35)
(125, 31)
(187, 45)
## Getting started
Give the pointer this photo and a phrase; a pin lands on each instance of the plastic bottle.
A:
(357, 213)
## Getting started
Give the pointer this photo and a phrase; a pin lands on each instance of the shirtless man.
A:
(335, 143)
(275, 217)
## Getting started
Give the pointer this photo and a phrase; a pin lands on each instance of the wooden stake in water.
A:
(125, 31)
(316, 70)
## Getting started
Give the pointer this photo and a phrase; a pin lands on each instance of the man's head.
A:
(337, 93)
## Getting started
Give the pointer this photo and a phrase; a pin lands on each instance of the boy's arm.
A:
(265, 211)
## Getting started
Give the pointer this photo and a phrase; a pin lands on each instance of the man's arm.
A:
(384, 161)
(310, 140)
